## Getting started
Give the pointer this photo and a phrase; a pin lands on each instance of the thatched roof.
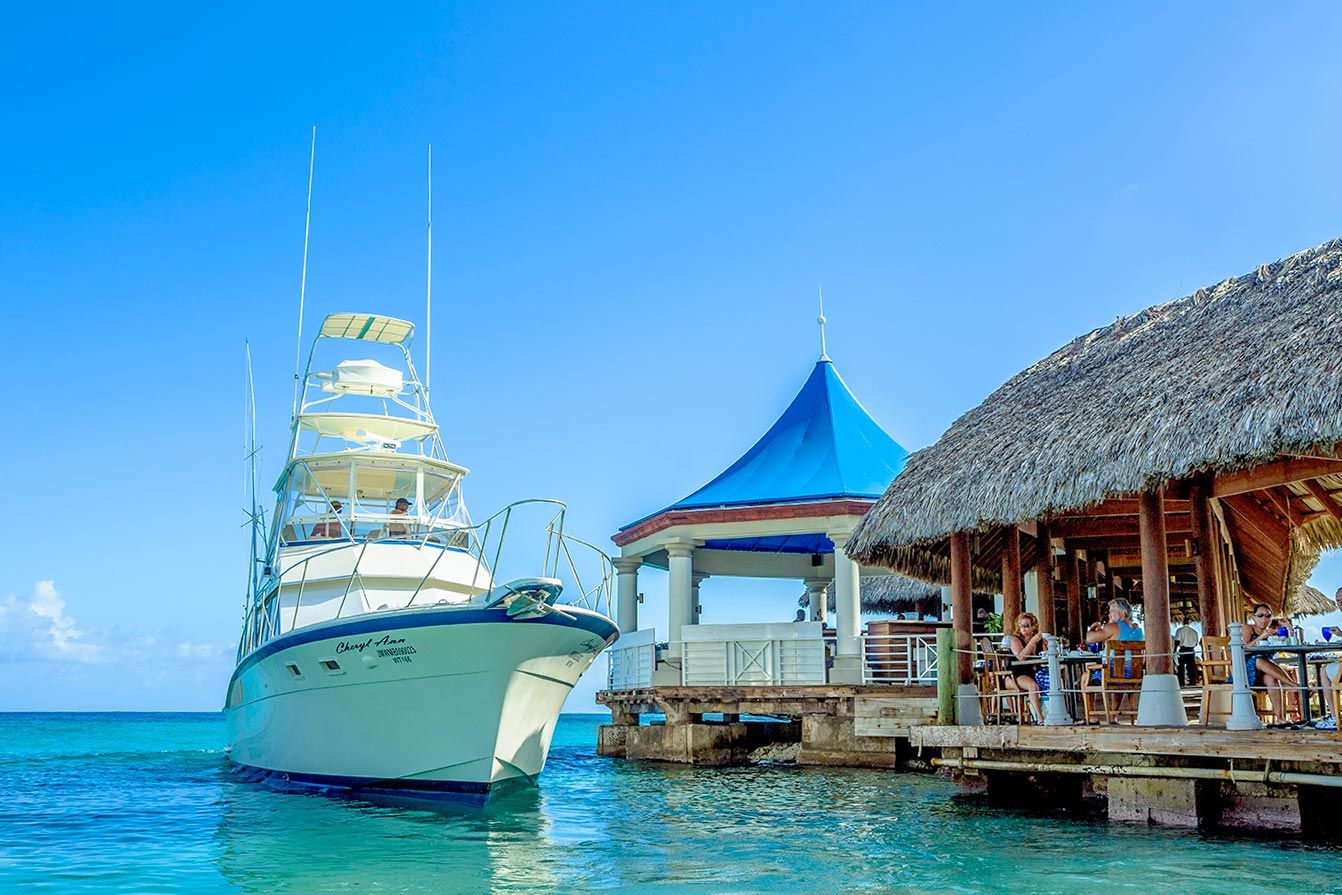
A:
(891, 593)
(896, 593)
(1306, 600)
(1228, 378)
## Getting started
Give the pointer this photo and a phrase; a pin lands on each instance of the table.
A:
(1068, 664)
(1301, 652)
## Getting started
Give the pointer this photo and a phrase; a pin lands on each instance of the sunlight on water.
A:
(148, 803)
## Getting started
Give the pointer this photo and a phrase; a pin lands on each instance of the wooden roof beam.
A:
(1322, 495)
(1098, 527)
(1278, 472)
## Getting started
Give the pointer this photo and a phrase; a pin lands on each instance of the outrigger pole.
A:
(428, 291)
(303, 280)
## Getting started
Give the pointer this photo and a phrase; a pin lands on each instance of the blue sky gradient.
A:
(634, 205)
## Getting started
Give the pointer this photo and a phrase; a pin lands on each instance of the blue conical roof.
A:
(824, 446)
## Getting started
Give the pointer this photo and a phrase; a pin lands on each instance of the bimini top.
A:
(367, 327)
(824, 446)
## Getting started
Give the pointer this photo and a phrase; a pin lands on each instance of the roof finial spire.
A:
(821, 321)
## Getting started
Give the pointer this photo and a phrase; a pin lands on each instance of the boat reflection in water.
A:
(272, 841)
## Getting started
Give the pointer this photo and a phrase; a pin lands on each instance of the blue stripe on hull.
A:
(421, 618)
(398, 789)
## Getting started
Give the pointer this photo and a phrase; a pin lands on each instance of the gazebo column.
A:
(1204, 559)
(1013, 597)
(817, 598)
(626, 568)
(962, 611)
(1161, 704)
(696, 578)
(680, 593)
(848, 620)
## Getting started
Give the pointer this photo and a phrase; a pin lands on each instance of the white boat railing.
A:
(586, 572)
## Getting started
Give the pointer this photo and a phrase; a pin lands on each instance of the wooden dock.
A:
(849, 725)
(1287, 781)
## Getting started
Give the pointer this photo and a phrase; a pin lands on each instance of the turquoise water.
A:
(147, 803)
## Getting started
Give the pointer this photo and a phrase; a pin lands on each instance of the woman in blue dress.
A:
(1262, 671)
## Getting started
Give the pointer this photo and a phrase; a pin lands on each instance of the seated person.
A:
(1119, 627)
(1026, 643)
(1261, 671)
(330, 526)
(397, 529)
(1330, 671)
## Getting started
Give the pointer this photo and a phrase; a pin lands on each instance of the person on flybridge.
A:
(330, 526)
(397, 529)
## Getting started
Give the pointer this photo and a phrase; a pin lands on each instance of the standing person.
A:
(1185, 642)
(1261, 669)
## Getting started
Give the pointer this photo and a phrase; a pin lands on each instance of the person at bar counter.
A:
(1261, 671)
(1027, 643)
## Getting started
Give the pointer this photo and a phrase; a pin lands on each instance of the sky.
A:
(634, 205)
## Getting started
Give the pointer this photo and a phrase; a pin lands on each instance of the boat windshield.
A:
(365, 497)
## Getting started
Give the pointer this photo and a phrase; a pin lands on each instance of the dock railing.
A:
(784, 654)
(632, 660)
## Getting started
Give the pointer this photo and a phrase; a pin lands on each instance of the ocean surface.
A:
(148, 803)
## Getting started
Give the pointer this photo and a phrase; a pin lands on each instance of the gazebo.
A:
(785, 509)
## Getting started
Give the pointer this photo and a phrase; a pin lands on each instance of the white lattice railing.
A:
(770, 655)
(753, 662)
(632, 659)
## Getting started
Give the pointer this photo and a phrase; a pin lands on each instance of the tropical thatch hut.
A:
(1191, 448)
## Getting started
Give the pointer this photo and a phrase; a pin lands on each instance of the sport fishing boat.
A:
(383, 649)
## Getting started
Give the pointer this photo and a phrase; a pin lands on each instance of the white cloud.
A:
(38, 628)
(188, 650)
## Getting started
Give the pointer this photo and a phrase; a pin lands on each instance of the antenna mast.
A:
(249, 431)
(821, 321)
(428, 291)
(303, 281)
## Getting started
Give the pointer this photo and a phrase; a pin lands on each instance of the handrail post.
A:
(1056, 715)
(298, 602)
(1243, 716)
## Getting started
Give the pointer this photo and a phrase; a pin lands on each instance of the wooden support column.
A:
(1012, 595)
(962, 608)
(1155, 582)
(1044, 573)
(1204, 560)
(1072, 574)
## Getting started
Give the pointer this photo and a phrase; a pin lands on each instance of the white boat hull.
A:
(419, 702)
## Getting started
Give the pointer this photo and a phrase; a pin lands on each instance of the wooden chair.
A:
(1215, 672)
(1011, 699)
(1121, 673)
